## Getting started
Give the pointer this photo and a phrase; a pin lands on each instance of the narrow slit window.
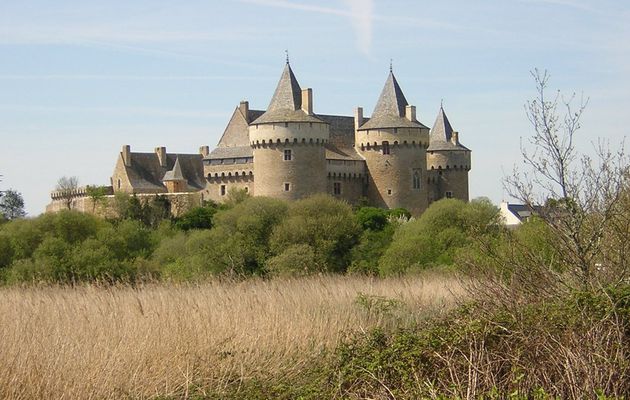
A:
(222, 190)
(287, 187)
(288, 155)
(417, 179)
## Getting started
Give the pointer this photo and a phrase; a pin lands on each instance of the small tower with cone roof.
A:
(174, 179)
(393, 143)
(448, 161)
(288, 143)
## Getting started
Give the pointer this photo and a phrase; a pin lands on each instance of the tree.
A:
(96, 194)
(66, 186)
(12, 205)
(587, 211)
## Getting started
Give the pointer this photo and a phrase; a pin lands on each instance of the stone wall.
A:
(180, 203)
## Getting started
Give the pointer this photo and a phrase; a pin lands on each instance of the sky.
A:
(80, 79)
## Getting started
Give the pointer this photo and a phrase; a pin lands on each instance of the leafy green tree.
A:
(198, 218)
(97, 195)
(11, 205)
(6, 250)
(295, 260)
(326, 224)
(372, 245)
(434, 238)
(372, 218)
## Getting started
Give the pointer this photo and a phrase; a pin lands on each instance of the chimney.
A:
(455, 137)
(161, 153)
(244, 107)
(204, 151)
(307, 101)
(126, 155)
(358, 117)
(410, 113)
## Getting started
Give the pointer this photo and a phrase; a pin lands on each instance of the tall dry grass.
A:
(159, 340)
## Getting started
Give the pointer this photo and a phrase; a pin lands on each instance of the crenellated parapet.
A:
(78, 192)
(288, 133)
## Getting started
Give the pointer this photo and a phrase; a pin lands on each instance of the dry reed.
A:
(160, 340)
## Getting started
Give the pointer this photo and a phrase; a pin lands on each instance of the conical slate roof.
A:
(286, 103)
(390, 108)
(442, 134)
(175, 174)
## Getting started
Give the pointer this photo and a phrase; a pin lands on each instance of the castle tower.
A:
(174, 179)
(288, 144)
(448, 162)
(393, 144)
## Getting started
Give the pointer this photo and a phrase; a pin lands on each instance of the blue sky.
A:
(80, 79)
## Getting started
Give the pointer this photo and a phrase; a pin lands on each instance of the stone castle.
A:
(289, 152)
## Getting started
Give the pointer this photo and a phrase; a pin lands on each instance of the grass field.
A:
(162, 340)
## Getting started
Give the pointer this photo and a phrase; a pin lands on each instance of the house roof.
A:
(231, 152)
(441, 136)
(286, 103)
(146, 172)
(390, 108)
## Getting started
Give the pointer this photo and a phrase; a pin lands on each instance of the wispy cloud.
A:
(360, 13)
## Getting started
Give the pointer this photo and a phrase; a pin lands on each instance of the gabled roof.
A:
(441, 136)
(175, 174)
(286, 103)
(146, 173)
(390, 108)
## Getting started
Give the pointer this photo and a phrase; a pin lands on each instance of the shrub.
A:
(434, 238)
(296, 260)
(197, 218)
(324, 223)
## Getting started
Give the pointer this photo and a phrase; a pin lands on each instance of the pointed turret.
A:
(391, 108)
(175, 174)
(442, 136)
(286, 103)
(174, 179)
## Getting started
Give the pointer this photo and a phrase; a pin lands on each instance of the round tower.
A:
(288, 144)
(448, 162)
(394, 144)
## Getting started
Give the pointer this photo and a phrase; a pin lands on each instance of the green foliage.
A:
(366, 254)
(96, 194)
(198, 218)
(433, 239)
(324, 223)
(372, 218)
(6, 250)
(295, 260)
(236, 196)
(11, 205)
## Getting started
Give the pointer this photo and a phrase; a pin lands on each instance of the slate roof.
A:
(231, 152)
(286, 103)
(336, 153)
(441, 135)
(341, 129)
(145, 172)
(390, 108)
(523, 211)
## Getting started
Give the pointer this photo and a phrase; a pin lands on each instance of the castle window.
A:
(222, 190)
(246, 189)
(119, 184)
(287, 187)
(417, 176)
(395, 130)
(389, 192)
(336, 188)
(449, 194)
(287, 155)
(385, 147)
(286, 124)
